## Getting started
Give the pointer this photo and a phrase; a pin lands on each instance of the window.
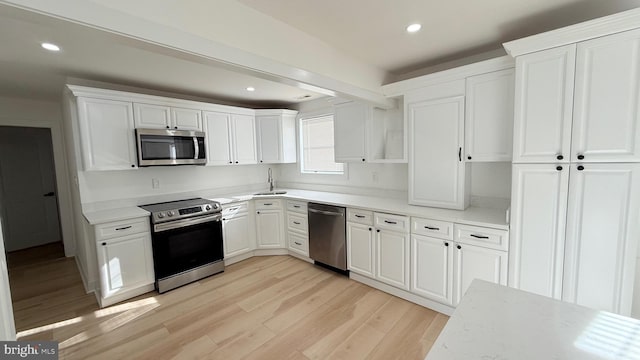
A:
(316, 146)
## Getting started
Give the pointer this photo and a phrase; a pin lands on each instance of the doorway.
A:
(28, 201)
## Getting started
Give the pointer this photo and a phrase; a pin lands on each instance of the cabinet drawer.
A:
(268, 204)
(235, 208)
(397, 223)
(122, 228)
(481, 236)
(360, 216)
(297, 222)
(297, 206)
(433, 228)
(299, 243)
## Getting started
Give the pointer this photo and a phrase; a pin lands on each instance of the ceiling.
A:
(369, 30)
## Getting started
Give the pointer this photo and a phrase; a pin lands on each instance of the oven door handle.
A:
(186, 222)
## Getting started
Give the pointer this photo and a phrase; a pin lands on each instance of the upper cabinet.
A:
(276, 136)
(364, 133)
(106, 134)
(165, 117)
(489, 116)
(230, 138)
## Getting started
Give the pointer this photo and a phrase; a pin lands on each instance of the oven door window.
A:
(186, 248)
(159, 147)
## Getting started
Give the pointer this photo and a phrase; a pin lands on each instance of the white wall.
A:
(7, 325)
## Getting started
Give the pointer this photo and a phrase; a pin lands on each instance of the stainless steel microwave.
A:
(157, 147)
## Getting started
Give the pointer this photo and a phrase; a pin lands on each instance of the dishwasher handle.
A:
(330, 213)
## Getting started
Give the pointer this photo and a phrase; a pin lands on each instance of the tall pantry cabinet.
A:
(575, 220)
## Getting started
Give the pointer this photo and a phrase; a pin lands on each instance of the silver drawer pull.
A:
(390, 222)
(479, 236)
(297, 243)
(297, 223)
(360, 216)
(431, 228)
(123, 228)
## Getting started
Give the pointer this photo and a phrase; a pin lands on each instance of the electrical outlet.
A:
(374, 176)
(155, 183)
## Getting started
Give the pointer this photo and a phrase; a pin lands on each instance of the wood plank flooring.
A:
(274, 307)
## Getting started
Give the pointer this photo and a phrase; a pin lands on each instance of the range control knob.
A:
(160, 215)
(170, 213)
(207, 207)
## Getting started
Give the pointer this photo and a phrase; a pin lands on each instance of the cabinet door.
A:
(106, 134)
(606, 124)
(489, 116)
(269, 229)
(244, 139)
(392, 258)
(349, 129)
(543, 105)
(360, 249)
(602, 236)
(236, 235)
(125, 263)
(436, 169)
(151, 116)
(218, 132)
(186, 119)
(269, 139)
(432, 268)
(538, 219)
(474, 262)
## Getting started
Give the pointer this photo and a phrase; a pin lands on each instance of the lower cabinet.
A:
(475, 262)
(269, 224)
(360, 245)
(392, 258)
(125, 260)
(298, 228)
(236, 230)
(432, 268)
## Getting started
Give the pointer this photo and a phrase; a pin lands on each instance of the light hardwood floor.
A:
(275, 307)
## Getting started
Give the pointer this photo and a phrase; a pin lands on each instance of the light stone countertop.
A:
(494, 218)
(498, 322)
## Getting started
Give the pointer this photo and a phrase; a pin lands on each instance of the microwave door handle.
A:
(196, 148)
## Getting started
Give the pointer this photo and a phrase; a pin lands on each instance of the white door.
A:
(107, 134)
(244, 139)
(360, 249)
(436, 169)
(125, 263)
(606, 124)
(269, 229)
(349, 129)
(602, 235)
(269, 139)
(489, 116)
(151, 116)
(538, 220)
(543, 105)
(432, 268)
(28, 201)
(218, 136)
(474, 262)
(186, 119)
(236, 235)
(392, 258)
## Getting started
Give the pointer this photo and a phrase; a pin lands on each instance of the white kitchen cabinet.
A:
(437, 172)
(350, 131)
(360, 249)
(125, 259)
(602, 236)
(489, 116)
(276, 136)
(235, 227)
(475, 262)
(298, 227)
(392, 258)
(164, 117)
(544, 105)
(230, 138)
(538, 222)
(432, 268)
(107, 135)
(269, 224)
(606, 119)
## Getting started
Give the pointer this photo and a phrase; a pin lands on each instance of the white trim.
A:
(7, 325)
(344, 174)
(623, 21)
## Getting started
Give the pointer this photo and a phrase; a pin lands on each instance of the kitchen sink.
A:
(271, 193)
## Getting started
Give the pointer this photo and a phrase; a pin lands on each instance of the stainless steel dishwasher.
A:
(327, 235)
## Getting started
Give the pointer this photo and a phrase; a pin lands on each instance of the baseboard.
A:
(88, 287)
(269, 252)
(237, 258)
(300, 256)
(433, 305)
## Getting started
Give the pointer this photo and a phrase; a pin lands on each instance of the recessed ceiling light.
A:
(251, 88)
(414, 28)
(51, 47)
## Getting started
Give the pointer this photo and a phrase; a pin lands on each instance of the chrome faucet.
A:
(270, 180)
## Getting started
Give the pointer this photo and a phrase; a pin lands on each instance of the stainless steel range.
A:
(186, 238)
